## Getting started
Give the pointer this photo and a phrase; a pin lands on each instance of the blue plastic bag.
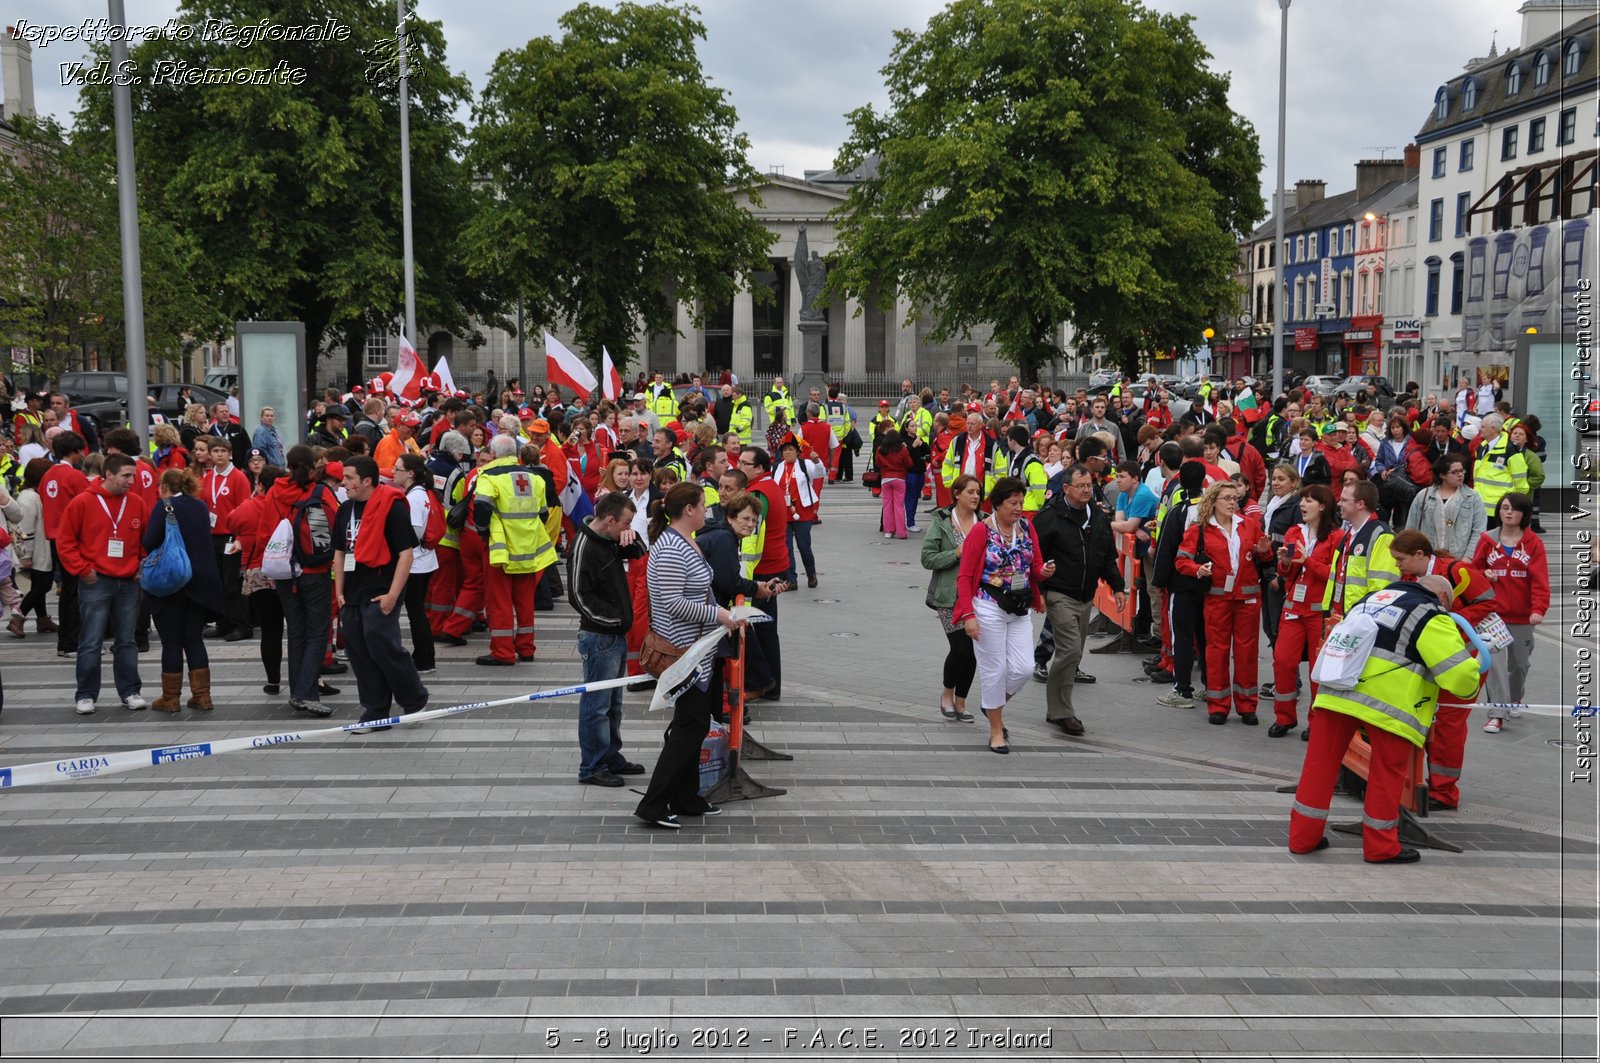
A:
(713, 757)
(167, 571)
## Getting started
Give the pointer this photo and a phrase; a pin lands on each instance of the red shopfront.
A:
(1363, 345)
(1238, 363)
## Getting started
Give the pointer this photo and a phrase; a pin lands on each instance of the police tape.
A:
(673, 682)
(1577, 712)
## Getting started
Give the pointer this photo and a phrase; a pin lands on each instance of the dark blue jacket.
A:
(194, 522)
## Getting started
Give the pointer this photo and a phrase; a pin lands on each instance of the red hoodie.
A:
(1339, 459)
(1522, 577)
(278, 503)
(93, 522)
(59, 486)
(222, 494)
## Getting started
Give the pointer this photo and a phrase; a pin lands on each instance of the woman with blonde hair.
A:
(169, 452)
(1220, 548)
(614, 477)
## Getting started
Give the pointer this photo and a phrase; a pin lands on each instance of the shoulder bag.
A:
(168, 570)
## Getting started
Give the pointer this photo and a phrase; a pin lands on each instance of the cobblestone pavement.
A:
(449, 890)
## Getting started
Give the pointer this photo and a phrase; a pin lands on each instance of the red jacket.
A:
(969, 574)
(894, 464)
(144, 483)
(59, 486)
(222, 494)
(243, 524)
(91, 522)
(1246, 584)
(279, 503)
(775, 547)
(1522, 577)
(1308, 571)
(1254, 468)
(1339, 459)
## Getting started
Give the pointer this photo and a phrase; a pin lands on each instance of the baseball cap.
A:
(334, 469)
(256, 453)
(539, 425)
(883, 404)
(1334, 426)
(410, 420)
(527, 413)
(638, 396)
(356, 387)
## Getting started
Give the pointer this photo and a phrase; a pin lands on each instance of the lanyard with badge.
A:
(114, 545)
(219, 486)
(350, 546)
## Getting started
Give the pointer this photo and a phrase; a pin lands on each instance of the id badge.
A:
(213, 519)
(113, 547)
(1299, 592)
(1019, 581)
(350, 562)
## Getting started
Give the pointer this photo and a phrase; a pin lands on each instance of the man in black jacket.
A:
(1076, 535)
(599, 592)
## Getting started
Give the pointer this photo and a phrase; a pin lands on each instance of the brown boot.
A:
(171, 692)
(200, 689)
(15, 626)
(48, 626)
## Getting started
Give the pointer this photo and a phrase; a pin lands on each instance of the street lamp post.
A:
(1278, 204)
(405, 174)
(128, 211)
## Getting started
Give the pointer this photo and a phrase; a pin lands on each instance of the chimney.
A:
(1373, 174)
(1413, 159)
(16, 72)
(1308, 192)
(1546, 18)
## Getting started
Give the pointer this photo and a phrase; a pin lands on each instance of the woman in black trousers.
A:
(682, 609)
(411, 476)
(180, 617)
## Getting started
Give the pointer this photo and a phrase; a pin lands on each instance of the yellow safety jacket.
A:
(675, 460)
(455, 489)
(662, 403)
(752, 545)
(517, 541)
(1361, 565)
(775, 398)
(1419, 649)
(1026, 466)
(741, 420)
(924, 421)
(840, 418)
(1499, 470)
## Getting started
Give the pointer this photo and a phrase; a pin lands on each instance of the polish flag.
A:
(408, 372)
(441, 371)
(565, 368)
(613, 379)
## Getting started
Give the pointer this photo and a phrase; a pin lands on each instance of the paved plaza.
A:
(448, 890)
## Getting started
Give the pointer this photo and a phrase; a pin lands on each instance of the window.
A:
(1535, 135)
(1456, 261)
(1346, 293)
(1261, 302)
(1513, 80)
(1436, 221)
(1535, 279)
(1377, 291)
(377, 352)
(1397, 232)
(1567, 126)
(1299, 248)
(1463, 204)
(1286, 258)
(1349, 238)
(1299, 299)
(1441, 102)
(1366, 292)
(1469, 148)
(1338, 292)
(1502, 271)
(1572, 59)
(1333, 242)
(1508, 143)
(1431, 303)
(1469, 95)
(1261, 257)
(1438, 161)
(1541, 70)
(1366, 236)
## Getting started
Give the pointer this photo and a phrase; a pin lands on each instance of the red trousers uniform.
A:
(1330, 737)
(468, 601)
(443, 588)
(640, 593)
(1233, 636)
(1447, 750)
(1298, 639)
(509, 598)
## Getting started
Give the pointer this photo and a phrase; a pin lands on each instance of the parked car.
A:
(101, 396)
(93, 386)
(1356, 388)
(222, 377)
(1322, 385)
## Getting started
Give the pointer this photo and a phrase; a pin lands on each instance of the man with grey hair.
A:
(447, 591)
(1498, 466)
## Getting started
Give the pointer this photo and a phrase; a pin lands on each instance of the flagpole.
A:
(405, 172)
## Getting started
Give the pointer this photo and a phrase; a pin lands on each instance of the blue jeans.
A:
(113, 603)
(600, 711)
(800, 541)
(914, 482)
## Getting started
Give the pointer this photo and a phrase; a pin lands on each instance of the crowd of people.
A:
(1237, 519)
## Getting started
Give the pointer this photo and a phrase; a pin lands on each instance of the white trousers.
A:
(1005, 652)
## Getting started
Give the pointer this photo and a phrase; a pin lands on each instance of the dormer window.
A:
(1572, 58)
(1469, 95)
(1441, 104)
(1541, 70)
(1513, 80)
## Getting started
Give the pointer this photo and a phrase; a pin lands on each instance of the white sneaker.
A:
(84, 707)
(1494, 726)
(135, 703)
(913, 528)
(888, 535)
(1516, 710)
(1175, 700)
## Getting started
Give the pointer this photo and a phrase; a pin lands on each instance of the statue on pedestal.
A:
(812, 274)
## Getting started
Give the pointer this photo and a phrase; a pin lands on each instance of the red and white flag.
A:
(565, 368)
(441, 372)
(612, 378)
(408, 372)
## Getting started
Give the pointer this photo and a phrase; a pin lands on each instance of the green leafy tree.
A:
(292, 188)
(1048, 161)
(61, 268)
(613, 166)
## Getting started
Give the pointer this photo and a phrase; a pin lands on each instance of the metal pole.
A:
(128, 211)
(405, 173)
(1278, 204)
(522, 350)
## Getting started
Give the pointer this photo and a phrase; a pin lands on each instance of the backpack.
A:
(434, 530)
(277, 559)
(313, 532)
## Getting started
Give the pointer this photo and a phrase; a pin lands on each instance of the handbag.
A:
(871, 478)
(657, 654)
(168, 570)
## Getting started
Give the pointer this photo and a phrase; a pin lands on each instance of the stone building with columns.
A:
(757, 339)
